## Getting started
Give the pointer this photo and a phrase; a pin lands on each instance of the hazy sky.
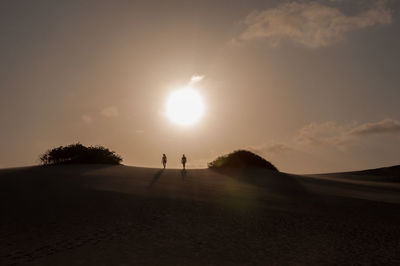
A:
(312, 86)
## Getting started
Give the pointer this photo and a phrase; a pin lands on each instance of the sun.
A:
(185, 106)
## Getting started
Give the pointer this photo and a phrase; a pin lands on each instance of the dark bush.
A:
(241, 159)
(79, 154)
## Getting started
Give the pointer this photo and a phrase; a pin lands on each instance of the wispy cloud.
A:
(87, 119)
(386, 126)
(272, 148)
(332, 133)
(310, 23)
(110, 111)
(196, 78)
(330, 146)
(322, 133)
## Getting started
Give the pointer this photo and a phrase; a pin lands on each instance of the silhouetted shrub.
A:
(79, 154)
(241, 159)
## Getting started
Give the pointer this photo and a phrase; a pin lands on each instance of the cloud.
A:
(87, 119)
(274, 148)
(329, 134)
(332, 133)
(322, 134)
(310, 23)
(333, 146)
(386, 126)
(195, 79)
(287, 156)
(110, 111)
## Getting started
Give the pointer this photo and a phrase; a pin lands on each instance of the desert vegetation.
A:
(241, 159)
(80, 154)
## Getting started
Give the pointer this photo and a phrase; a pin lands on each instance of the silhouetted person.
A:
(164, 160)
(183, 161)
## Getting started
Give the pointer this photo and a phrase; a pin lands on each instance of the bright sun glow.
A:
(185, 107)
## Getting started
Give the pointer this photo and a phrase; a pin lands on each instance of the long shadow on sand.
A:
(155, 178)
(183, 174)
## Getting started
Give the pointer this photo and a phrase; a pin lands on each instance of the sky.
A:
(312, 86)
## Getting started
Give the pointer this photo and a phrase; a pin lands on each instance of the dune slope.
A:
(119, 215)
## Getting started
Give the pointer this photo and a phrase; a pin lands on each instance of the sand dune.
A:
(119, 215)
(386, 174)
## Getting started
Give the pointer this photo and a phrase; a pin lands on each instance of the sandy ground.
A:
(119, 215)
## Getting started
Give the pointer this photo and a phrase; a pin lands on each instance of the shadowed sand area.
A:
(119, 215)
